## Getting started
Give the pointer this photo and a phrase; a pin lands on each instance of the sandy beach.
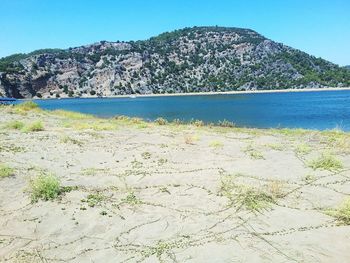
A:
(133, 191)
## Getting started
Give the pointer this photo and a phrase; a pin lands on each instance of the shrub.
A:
(302, 149)
(253, 199)
(5, 171)
(45, 187)
(34, 127)
(191, 139)
(131, 199)
(27, 106)
(226, 123)
(67, 139)
(94, 199)
(253, 153)
(342, 214)
(16, 125)
(197, 123)
(326, 162)
(161, 121)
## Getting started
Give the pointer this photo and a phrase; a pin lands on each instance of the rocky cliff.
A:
(195, 59)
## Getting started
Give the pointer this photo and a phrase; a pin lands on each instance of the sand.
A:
(171, 193)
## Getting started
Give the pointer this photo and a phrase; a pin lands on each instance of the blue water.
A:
(311, 110)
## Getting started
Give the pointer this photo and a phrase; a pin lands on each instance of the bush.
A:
(5, 171)
(45, 187)
(27, 106)
(326, 162)
(226, 123)
(34, 127)
(342, 213)
(197, 123)
(16, 125)
(161, 121)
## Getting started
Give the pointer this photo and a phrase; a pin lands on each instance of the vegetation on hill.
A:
(197, 59)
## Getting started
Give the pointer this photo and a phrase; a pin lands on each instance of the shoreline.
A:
(200, 93)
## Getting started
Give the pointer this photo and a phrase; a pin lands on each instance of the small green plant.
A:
(5, 171)
(342, 213)
(161, 121)
(34, 127)
(251, 198)
(135, 164)
(164, 189)
(131, 199)
(11, 148)
(45, 187)
(162, 161)
(103, 213)
(253, 153)
(275, 146)
(302, 149)
(191, 139)
(15, 125)
(94, 199)
(216, 144)
(146, 155)
(67, 139)
(254, 199)
(309, 178)
(326, 162)
(159, 249)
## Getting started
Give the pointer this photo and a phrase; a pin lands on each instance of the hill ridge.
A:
(197, 59)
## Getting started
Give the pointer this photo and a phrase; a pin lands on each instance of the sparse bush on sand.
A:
(33, 127)
(5, 171)
(45, 187)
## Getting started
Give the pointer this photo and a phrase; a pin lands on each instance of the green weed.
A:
(5, 171)
(326, 162)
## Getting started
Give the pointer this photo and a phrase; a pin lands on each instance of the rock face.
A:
(195, 59)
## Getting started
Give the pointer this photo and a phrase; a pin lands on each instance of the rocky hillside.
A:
(195, 59)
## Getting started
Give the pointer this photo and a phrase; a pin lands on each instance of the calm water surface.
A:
(313, 110)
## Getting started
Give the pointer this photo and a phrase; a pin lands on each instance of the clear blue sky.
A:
(319, 27)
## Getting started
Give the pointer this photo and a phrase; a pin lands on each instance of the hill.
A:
(197, 59)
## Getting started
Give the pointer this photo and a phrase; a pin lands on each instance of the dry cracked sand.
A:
(143, 192)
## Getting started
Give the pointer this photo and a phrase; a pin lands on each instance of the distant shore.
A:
(202, 93)
(226, 92)
(220, 93)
